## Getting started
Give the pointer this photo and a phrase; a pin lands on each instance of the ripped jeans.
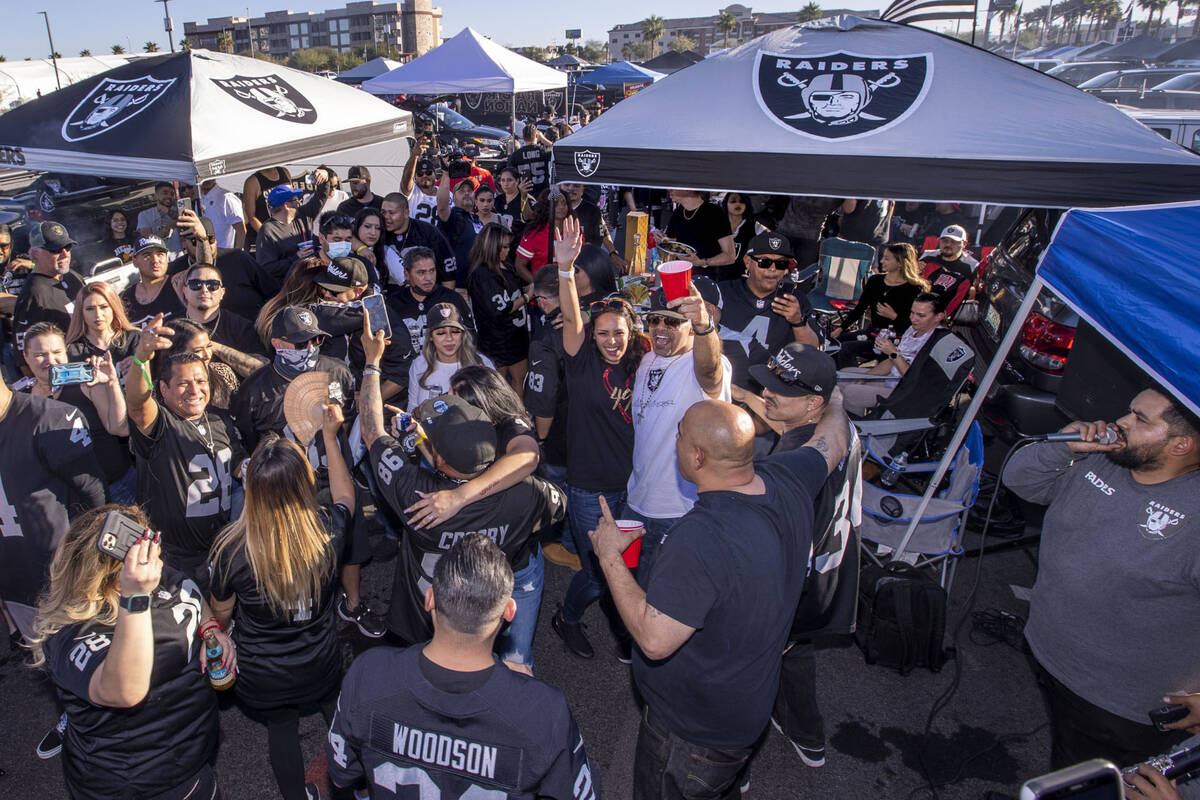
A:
(515, 642)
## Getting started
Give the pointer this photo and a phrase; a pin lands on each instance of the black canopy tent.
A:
(851, 107)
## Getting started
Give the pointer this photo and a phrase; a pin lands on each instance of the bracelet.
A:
(145, 367)
(209, 624)
(566, 273)
(371, 369)
(711, 327)
(360, 248)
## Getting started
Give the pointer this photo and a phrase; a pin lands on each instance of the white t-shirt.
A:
(153, 220)
(225, 210)
(423, 206)
(664, 389)
(910, 344)
(336, 198)
(438, 381)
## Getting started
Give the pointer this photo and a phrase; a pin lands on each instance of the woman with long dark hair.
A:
(448, 347)
(367, 243)
(512, 202)
(600, 363)
(886, 301)
(499, 305)
(299, 289)
(119, 239)
(537, 241)
(120, 641)
(275, 571)
(745, 226)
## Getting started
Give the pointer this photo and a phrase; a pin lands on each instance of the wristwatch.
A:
(893, 355)
(135, 603)
(711, 327)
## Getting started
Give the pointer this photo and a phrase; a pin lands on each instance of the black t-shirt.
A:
(145, 750)
(45, 299)
(546, 392)
(502, 333)
(591, 222)
(343, 323)
(185, 479)
(703, 228)
(459, 230)
(246, 286)
(167, 303)
(231, 330)
(747, 229)
(509, 212)
(509, 429)
(600, 425)
(830, 598)
(284, 659)
(750, 331)
(122, 346)
(510, 518)
(112, 452)
(48, 472)
(876, 291)
(867, 223)
(532, 162)
(412, 311)
(418, 234)
(732, 568)
(351, 206)
(512, 736)
(948, 276)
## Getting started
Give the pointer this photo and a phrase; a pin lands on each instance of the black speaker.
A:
(1100, 380)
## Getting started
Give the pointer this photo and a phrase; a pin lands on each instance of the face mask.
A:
(338, 249)
(291, 363)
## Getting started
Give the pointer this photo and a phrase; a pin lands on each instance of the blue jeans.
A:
(587, 585)
(558, 476)
(515, 642)
(652, 539)
(667, 767)
(124, 489)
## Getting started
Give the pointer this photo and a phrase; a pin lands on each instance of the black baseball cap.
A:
(769, 243)
(706, 287)
(443, 315)
(150, 243)
(341, 274)
(797, 370)
(296, 325)
(425, 163)
(358, 173)
(50, 236)
(460, 433)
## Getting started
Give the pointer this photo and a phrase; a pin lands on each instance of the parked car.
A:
(1180, 127)
(1041, 64)
(1121, 86)
(1076, 72)
(452, 129)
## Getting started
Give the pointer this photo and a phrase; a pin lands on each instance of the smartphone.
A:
(1090, 780)
(310, 180)
(1165, 715)
(66, 374)
(118, 535)
(377, 315)
(184, 203)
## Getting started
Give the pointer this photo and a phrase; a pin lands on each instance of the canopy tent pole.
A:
(960, 433)
(513, 124)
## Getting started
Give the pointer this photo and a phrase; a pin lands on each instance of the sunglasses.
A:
(773, 263)
(789, 375)
(659, 319)
(604, 306)
(196, 284)
(425, 172)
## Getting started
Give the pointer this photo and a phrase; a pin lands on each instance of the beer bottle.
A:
(219, 676)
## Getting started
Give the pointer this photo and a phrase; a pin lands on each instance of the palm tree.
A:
(653, 29)
(810, 12)
(84, 53)
(225, 42)
(727, 24)
(117, 50)
(150, 47)
(185, 44)
(1151, 6)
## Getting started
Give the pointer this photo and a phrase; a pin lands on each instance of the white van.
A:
(1180, 126)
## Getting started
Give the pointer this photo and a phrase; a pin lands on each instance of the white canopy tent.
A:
(470, 62)
(21, 81)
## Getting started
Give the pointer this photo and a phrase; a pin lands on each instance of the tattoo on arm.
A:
(370, 408)
(244, 364)
(820, 445)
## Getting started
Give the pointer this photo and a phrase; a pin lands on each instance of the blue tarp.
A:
(1132, 273)
(619, 73)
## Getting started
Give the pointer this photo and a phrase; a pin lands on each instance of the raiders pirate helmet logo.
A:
(775, 242)
(111, 103)
(306, 318)
(587, 162)
(270, 95)
(840, 95)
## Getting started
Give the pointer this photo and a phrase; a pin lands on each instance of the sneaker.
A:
(369, 624)
(811, 756)
(555, 553)
(625, 651)
(573, 636)
(745, 787)
(51, 744)
(311, 791)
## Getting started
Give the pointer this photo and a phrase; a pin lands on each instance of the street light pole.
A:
(53, 55)
(167, 26)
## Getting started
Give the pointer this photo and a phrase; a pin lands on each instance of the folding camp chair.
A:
(937, 539)
(840, 272)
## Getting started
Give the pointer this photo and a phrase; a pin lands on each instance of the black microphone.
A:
(1110, 436)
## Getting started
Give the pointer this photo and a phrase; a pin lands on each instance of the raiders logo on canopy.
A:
(840, 95)
(271, 95)
(110, 103)
(587, 162)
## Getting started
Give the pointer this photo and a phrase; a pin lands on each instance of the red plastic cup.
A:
(675, 277)
(633, 553)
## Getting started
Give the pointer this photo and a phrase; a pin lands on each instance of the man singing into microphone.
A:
(1118, 585)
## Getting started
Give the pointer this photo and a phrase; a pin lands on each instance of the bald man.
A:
(712, 616)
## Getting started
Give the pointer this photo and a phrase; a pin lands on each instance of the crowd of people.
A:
(690, 457)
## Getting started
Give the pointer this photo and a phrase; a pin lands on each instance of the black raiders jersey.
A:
(750, 331)
(145, 750)
(48, 474)
(510, 738)
(532, 162)
(185, 479)
(509, 518)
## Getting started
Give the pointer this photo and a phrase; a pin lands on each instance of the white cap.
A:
(955, 232)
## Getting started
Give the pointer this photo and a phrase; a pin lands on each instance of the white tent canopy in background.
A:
(470, 62)
(20, 81)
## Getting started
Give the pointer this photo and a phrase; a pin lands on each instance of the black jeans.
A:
(1080, 730)
(796, 708)
(283, 741)
(668, 768)
(201, 786)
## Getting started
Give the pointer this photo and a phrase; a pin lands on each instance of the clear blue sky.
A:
(98, 24)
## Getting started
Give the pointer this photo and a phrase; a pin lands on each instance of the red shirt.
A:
(535, 247)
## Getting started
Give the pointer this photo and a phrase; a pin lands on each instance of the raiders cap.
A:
(707, 289)
(797, 370)
(50, 236)
(769, 243)
(150, 243)
(443, 315)
(956, 232)
(296, 325)
(460, 433)
(341, 274)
